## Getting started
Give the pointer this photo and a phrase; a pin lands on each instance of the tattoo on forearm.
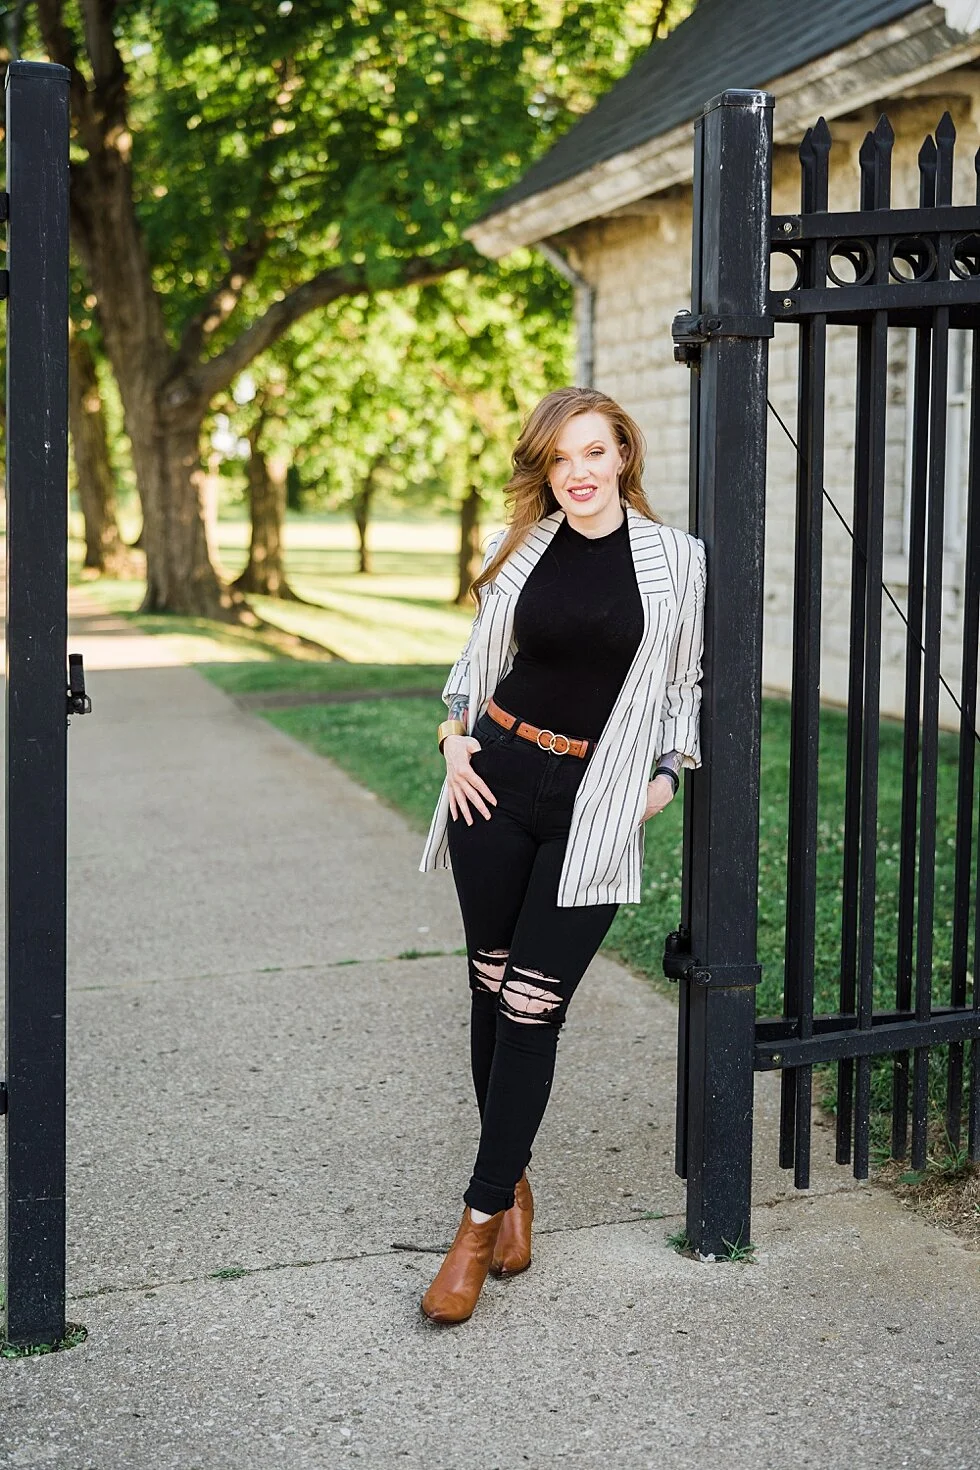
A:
(674, 759)
(458, 708)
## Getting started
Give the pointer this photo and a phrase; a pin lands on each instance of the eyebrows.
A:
(601, 443)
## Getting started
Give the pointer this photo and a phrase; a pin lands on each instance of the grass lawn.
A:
(403, 612)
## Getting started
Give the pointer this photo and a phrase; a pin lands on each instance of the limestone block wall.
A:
(639, 266)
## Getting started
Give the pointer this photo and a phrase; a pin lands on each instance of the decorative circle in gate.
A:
(779, 274)
(964, 257)
(859, 255)
(913, 258)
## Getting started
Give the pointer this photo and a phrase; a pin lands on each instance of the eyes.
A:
(591, 451)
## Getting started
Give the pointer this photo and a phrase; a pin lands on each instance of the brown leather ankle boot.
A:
(512, 1253)
(458, 1282)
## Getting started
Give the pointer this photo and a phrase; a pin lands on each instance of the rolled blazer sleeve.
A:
(458, 682)
(680, 713)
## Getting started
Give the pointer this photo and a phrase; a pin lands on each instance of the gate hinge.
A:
(4, 206)
(4, 285)
(3, 1099)
(690, 332)
(79, 702)
(678, 960)
(680, 964)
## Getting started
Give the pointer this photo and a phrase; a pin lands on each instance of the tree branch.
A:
(659, 20)
(220, 304)
(346, 280)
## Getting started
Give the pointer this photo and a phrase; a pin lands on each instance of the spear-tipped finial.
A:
(884, 132)
(946, 130)
(821, 135)
(945, 141)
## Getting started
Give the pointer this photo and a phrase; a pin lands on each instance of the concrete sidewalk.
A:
(258, 1081)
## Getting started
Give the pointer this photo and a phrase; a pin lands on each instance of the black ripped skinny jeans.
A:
(526, 955)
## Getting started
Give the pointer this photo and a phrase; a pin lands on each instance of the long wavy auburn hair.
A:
(528, 493)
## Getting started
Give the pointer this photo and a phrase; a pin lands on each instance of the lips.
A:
(584, 493)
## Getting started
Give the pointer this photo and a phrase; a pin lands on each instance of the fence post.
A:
(731, 270)
(37, 122)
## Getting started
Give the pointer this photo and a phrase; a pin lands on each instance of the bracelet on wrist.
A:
(669, 771)
(449, 727)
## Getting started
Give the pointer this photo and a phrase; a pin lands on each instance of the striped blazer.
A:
(657, 709)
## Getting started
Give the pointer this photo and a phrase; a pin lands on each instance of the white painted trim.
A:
(879, 64)
(961, 15)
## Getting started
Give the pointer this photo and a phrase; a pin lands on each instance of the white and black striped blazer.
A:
(657, 709)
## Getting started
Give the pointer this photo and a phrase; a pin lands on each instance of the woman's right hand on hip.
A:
(465, 786)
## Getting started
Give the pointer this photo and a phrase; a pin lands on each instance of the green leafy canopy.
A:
(301, 136)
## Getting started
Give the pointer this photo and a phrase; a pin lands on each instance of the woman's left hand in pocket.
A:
(660, 792)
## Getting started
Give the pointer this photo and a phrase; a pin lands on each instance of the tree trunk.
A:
(105, 550)
(163, 407)
(362, 511)
(263, 573)
(468, 565)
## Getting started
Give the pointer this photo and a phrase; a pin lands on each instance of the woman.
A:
(572, 708)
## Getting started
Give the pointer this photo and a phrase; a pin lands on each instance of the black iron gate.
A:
(875, 269)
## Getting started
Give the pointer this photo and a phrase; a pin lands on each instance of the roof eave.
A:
(907, 51)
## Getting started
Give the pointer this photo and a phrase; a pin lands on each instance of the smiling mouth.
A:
(586, 490)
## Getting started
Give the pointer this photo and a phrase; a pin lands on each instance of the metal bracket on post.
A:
(726, 977)
(680, 964)
(691, 331)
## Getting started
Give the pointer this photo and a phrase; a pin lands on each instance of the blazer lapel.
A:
(649, 558)
(518, 567)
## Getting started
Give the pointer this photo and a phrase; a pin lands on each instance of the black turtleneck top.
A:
(578, 622)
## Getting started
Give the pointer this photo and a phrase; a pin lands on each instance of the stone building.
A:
(611, 202)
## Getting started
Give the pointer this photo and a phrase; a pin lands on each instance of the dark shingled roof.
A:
(725, 43)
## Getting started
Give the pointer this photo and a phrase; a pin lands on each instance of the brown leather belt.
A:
(566, 746)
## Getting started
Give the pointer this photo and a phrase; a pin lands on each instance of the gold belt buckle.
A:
(551, 744)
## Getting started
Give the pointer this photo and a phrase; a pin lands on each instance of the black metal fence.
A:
(35, 207)
(875, 269)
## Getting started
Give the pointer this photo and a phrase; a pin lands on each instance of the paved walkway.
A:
(258, 1080)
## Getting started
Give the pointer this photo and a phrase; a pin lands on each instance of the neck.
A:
(607, 521)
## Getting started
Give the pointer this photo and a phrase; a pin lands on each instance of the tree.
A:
(238, 166)
(416, 397)
(105, 550)
(263, 572)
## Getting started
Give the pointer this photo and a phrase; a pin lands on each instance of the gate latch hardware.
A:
(79, 703)
(690, 332)
(678, 961)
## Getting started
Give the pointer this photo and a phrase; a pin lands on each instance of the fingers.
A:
(480, 786)
(465, 788)
(466, 793)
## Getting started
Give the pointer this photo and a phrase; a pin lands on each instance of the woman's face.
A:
(585, 468)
